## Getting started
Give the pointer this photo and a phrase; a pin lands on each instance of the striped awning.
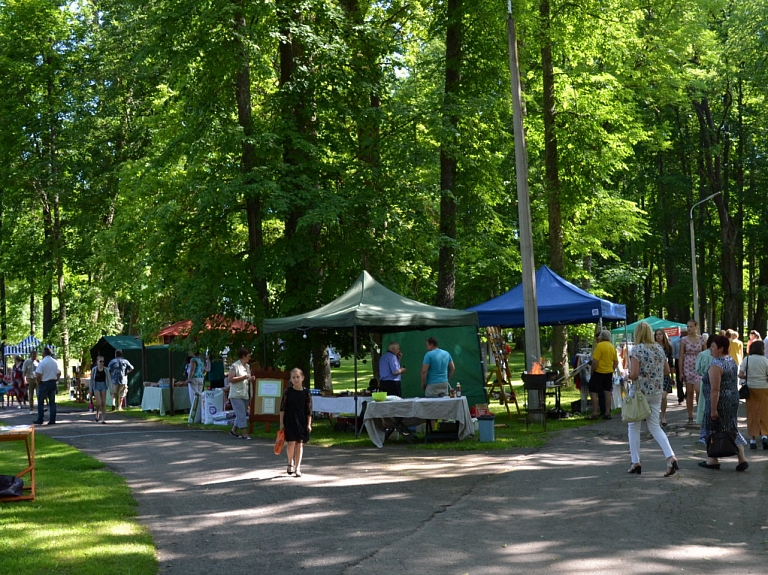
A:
(27, 345)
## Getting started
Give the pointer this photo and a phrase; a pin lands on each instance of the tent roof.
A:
(25, 346)
(369, 304)
(121, 341)
(559, 303)
(653, 321)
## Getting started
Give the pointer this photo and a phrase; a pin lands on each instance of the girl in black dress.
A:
(296, 420)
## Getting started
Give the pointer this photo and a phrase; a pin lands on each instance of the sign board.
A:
(266, 396)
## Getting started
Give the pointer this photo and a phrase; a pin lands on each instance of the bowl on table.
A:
(379, 396)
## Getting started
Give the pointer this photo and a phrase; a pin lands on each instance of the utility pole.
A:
(530, 308)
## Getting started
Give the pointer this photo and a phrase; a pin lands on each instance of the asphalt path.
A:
(219, 505)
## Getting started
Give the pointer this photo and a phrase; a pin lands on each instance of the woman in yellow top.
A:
(605, 360)
(736, 347)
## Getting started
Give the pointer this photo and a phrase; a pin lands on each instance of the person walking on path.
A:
(240, 380)
(754, 335)
(195, 377)
(721, 401)
(437, 369)
(754, 371)
(296, 420)
(605, 360)
(18, 382)
(47, 373)
(736, 347)
(690, 347)
(119, 368)
(28, 369)
(648, 368)
(663, 340)
(390, 370)
(100, 382)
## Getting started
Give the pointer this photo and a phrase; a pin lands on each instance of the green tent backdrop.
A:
(671, 327)
(460, 342)
(156, 357)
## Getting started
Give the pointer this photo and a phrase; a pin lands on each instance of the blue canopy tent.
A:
(559, 303)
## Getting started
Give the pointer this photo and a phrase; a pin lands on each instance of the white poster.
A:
(268, 405)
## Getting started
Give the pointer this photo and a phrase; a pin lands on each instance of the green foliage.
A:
(180, 201)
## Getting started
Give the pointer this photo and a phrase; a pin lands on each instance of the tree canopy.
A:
(176, 159)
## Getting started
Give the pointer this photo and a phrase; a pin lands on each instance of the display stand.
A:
(266, 394)
(502, 375)
(27, 435)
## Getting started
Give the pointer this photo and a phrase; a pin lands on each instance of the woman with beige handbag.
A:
(648, 366)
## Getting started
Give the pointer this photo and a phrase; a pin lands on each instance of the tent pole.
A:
(354, 347)
(170, 378)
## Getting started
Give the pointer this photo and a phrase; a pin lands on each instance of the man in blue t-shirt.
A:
(436, 369)
(119, 368)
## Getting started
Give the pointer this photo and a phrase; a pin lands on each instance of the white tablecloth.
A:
(160, 399)
(418, 408)
(338, 404)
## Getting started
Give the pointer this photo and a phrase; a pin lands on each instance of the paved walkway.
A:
(217, 505)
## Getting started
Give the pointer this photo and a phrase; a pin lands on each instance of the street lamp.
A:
(693, 263)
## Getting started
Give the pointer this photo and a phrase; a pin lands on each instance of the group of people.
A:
(23, 381)
(710, 369)
(113, 376)
(295, 408)
(437, 368)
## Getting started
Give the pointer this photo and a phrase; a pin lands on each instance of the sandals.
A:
(672, 468)
(636, 468)
(298, 472)
(290, 470)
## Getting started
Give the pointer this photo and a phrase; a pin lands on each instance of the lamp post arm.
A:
(690, 215)
(693, 260)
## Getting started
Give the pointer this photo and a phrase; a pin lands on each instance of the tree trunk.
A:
(552, 179)
(446, 275)
(729, 233)
(248, 159)
(301, 271)
(760, 319)
(61, 292)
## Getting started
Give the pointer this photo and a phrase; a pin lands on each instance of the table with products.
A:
(159, 398)
(25, 433)
(422, 408)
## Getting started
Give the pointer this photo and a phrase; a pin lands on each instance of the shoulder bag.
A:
(634, 408)
(721, 443)
(744, 389)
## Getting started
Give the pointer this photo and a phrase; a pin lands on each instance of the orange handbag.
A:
(279, 442)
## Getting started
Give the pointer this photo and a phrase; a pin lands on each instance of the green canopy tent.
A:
(671, 327)
(150, 363)
(369, 306)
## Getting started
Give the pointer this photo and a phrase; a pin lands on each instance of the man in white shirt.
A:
(47, 373)
(28, 370)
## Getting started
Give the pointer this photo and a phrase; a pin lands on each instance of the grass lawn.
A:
(81, 523)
